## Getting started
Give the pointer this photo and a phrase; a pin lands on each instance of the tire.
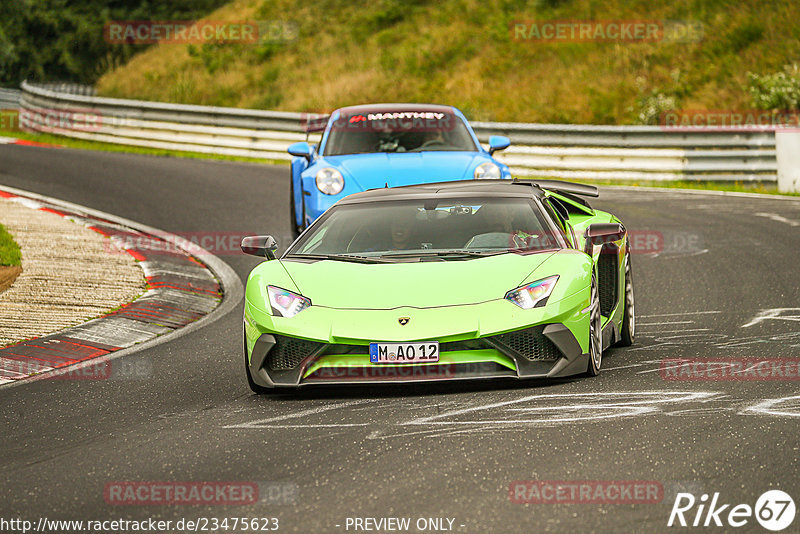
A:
(628, 329)
(259, 390)
(595, 331)
(293, 227)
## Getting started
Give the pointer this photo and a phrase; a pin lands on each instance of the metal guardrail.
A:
(70, 88)
(545, 150)
(9, 98)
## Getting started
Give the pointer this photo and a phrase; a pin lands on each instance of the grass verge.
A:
(10, 259)
(10, 255)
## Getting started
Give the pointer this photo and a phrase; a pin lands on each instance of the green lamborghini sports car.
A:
(442, 281)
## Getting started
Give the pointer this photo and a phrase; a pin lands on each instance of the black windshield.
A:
(452, 229)
(406, 131)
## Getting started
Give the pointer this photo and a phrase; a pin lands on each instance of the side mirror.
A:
(260, 245)
(498, 142)
(301, 150)
(601, 234)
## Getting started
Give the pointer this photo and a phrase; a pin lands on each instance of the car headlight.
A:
(330, 181)
(533, 295)
(487, 171)
(285, 303)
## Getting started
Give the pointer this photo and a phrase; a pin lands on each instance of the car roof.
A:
(475, 188)
(460, 188)
(389, 108)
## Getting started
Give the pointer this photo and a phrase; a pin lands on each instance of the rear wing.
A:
(570, 188)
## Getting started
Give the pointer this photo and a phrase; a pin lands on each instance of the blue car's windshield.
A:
(402, 131)
(469, 226)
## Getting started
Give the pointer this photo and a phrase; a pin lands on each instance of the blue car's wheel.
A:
(293, 226)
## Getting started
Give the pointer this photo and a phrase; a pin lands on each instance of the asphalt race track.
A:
(718, 279)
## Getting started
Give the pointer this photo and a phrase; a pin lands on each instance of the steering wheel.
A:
(430, 143)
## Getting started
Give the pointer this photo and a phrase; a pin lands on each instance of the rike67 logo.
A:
(774, 510)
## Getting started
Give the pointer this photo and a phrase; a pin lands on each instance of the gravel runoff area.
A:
(70, 274)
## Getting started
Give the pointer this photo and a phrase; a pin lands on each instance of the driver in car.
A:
(434, 138)
(498, 219)
(401, 229)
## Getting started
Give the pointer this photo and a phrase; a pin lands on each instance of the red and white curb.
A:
(24, 142)
(181, 291)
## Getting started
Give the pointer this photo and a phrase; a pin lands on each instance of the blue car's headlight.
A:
(487, 171)
(285, 303)
(533, 295)
(330, 181)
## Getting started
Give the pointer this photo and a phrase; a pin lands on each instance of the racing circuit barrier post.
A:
(561, 151)
(787, 147)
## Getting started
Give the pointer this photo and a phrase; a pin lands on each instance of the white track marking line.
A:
(259, 423)
(610, 412)
(665, 322)
(661, 397)
(682, 256)
(678, 331)
(774, 314)
(778, 218)
(768, 407)
(660, 369)
(677, 314)
(623, 367)
(314, 425)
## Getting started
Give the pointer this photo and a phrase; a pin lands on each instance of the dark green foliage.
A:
(63, 40)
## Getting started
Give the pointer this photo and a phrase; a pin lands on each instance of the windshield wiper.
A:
(448, 253)
(340, 257)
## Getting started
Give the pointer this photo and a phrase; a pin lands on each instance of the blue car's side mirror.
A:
(498, 142)
(301, 149)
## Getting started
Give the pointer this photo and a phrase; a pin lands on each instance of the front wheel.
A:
(628, 329)
(595, 332)
(294, 228)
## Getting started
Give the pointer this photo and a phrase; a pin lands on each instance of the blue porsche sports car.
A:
(386, 145)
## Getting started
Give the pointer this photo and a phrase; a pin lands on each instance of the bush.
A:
(778, 91)
(653, 106)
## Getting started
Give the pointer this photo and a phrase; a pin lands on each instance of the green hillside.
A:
(462, 52)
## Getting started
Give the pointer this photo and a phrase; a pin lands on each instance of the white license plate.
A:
(400, 353)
